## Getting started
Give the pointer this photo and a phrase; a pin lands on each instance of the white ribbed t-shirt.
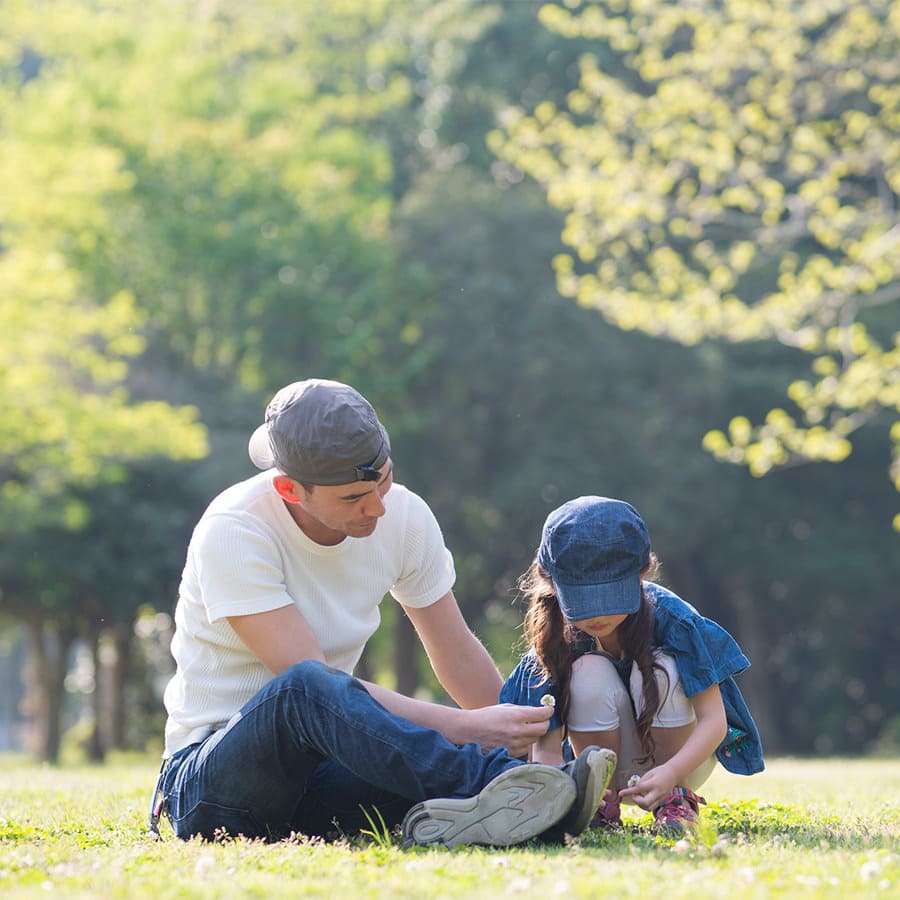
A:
(247, 555)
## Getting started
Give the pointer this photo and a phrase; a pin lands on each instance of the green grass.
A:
(824, 828)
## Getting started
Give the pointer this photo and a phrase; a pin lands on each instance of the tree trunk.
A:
(94, 748)
(738, 606)
(49, 651)
(406, 659)
(363, 669)
(756, 683)
(123, 639)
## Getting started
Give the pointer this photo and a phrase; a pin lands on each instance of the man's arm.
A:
(460, 661)
(282, 637)
(502, 725)
(278, 638)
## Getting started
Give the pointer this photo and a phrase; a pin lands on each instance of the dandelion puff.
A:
(204, 865)
(870, 869)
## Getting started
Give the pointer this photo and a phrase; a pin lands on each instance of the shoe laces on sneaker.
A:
(681, 809)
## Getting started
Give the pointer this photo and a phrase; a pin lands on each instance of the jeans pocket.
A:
(213, 821)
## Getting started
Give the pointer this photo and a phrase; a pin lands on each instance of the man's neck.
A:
(313, 528)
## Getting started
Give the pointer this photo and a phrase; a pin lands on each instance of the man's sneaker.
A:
(520, 803)
(680, 811)
(591, 770)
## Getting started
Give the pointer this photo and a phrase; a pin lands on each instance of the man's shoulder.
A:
(251, 500)
(243, 495)
(403, 502)
(408, 522)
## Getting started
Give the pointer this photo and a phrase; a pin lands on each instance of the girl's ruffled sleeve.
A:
(527, 684)
(705, 652)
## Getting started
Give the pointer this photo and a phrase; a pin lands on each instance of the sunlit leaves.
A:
(65, 340)
(731, 170)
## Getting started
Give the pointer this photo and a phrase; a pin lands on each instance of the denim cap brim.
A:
(587, 601)
(594, 550)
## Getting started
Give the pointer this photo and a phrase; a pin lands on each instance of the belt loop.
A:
(157, 801)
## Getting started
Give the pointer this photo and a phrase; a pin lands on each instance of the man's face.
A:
(329, 513)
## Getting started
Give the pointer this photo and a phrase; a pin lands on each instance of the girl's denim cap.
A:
(594, 549)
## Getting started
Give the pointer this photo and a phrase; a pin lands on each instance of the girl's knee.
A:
(599, 700)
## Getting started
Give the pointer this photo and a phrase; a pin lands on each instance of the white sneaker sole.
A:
(592, 773)
(517, 805)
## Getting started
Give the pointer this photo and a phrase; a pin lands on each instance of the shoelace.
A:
(682, 803)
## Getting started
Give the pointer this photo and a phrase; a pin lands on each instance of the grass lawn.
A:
(821, 828)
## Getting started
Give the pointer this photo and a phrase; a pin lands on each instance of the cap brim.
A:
(587, 601)
(260, 449)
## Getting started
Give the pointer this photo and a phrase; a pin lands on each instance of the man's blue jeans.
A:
(306, 753)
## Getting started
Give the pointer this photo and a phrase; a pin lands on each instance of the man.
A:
(268, 732)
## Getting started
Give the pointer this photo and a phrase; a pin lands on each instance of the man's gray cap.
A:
(321, 432)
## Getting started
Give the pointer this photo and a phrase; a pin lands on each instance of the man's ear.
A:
(286, 488)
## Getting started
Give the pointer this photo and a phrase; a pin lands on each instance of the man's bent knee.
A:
(311, 674)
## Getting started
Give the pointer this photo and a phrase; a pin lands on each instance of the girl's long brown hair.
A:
(553, 639)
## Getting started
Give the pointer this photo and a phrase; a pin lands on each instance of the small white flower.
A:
(633, 780)
(870, 869)
(548, 700)
(204, 865)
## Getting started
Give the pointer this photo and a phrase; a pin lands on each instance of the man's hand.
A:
(505, 725)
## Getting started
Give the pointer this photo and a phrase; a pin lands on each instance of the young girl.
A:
(629, 665)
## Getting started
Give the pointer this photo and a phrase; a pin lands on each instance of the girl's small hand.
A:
(652, 789)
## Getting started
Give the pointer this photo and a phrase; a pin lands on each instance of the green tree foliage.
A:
(532, 400)
(731, 170)
(65, 338)
(253, 204)
(192, 191)
(285, 193)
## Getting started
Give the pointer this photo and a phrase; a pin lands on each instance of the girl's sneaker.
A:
(681, 810)
(609, 815)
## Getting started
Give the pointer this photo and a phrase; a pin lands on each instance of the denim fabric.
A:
(305, 752)
(705, 653)
(594, 549)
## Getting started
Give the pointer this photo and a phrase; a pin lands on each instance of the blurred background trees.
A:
(730, 171)
(199, 203)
